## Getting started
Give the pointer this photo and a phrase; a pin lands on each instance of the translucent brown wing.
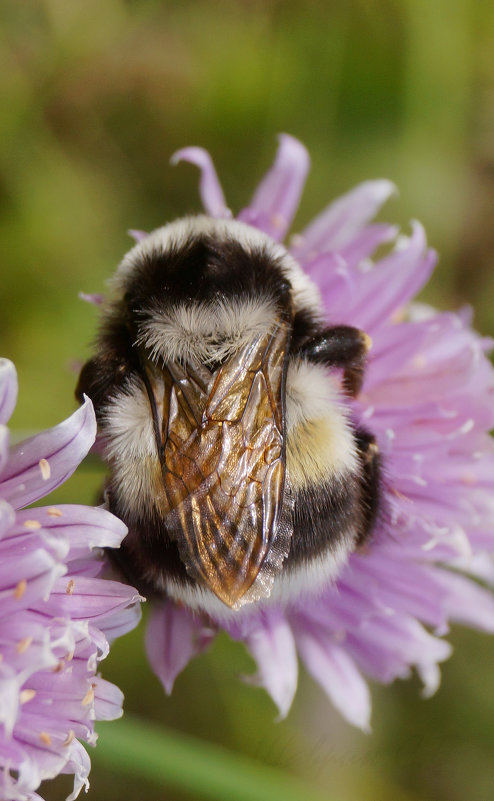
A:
(224, 469)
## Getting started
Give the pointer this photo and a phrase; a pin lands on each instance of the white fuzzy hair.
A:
(320, 441)
(302, 582)
(201, 332)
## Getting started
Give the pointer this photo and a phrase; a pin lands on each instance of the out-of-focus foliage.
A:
(95, 97)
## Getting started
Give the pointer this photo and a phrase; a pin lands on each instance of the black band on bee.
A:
(340, 346)
(203, 270)
(324, 516)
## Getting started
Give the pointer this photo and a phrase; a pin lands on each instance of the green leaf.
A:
(144, 750)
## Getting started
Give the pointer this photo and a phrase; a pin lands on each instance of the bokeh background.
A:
(94, 98)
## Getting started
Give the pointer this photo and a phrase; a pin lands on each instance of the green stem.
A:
(142, 749)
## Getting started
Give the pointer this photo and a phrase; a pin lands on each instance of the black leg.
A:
(341, 346)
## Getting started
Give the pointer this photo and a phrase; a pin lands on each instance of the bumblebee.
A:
(222, 404)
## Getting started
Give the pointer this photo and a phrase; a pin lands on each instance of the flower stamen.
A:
(89, 697)
(45, 469)
(23, 645)
(20, 589)
(69, 738)
(53, 512)
(26, 695)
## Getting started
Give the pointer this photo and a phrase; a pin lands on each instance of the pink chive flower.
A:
(428, 397)
(56, 615)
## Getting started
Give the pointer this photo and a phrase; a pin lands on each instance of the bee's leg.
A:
(370, 481)
(341, 346)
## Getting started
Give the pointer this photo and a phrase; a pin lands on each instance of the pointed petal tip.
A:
(6, 367)
(419, 235)
(417, 238)
(276, 198)
(271, 643)
(64, 447)
(293, 147)
(195, 155)
(173, 637)
(383, 189)
(8, 389)
(137, 235)
(210, 189)
(88, 408)
(94, 299)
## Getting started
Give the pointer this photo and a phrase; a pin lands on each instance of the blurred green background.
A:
(95, 97)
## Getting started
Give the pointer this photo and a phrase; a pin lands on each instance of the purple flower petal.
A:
(26, 579)
(137, 235)
(94, 298)
(363, 245)
(84, 528)
(40, 464)
(276, 199)
(7, 518)
(211, 192)
(91, 599)
(8, 390)
(78, 764)
(466, 602)
(174, 636)
(337, 674)
(339, 224)
(4, 446)
(49, 691)
(121, 622)
(397, 278)
(269, 639)
(108, 700)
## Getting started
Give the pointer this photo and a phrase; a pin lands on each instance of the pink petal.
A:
(84, 527)
(7, 517)
(210, 189)
(466, 602)
(88, 598)
(343, 219)
(27, 579)
(94, 298)
(386, 647)
(391, 349)
(138, 236)
(270, 640)
(23, 625)
(335, 281)
(391, 283)
(366, 241)
(121, 622)
(108, 700)
(174, 636)
(79, 764)
(277, 197)
(62, 448)
(8, 389)
(335, 671)
(4, 446)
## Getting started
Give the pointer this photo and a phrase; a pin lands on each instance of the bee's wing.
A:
(224, 469)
